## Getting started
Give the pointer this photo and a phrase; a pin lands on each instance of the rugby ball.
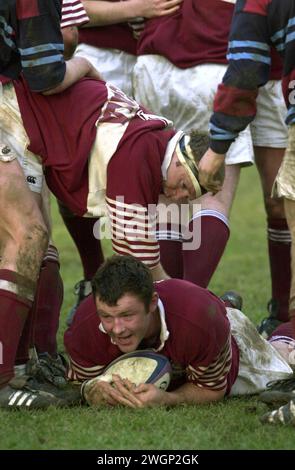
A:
(144, 366)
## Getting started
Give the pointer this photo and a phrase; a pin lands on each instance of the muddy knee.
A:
(32, 247)
(23, 234)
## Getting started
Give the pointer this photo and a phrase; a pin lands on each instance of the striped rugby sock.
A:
(279, 249)
(200, 264)
(16, 298)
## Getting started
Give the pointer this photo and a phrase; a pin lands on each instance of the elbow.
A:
(219, 394)
(213, 395)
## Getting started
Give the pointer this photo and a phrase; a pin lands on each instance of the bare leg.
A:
(42, 324)
(24, 240)
(268, 162)
(23, 232)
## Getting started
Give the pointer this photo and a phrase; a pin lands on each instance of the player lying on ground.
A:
(214, 351)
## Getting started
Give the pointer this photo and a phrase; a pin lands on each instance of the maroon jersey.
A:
(73, 14)
(200, 346)
(62, 130)
(113, 36)
(196, 34)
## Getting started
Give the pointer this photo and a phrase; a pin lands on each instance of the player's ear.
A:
(154, 302)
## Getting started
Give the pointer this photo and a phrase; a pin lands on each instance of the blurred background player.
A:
(181, 61)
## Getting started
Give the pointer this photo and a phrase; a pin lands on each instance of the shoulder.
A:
(85, 324)
(193, 297)
(195, 310)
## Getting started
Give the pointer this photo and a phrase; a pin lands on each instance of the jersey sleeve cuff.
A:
(220, 146)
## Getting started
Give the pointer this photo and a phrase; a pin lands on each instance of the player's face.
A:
(178, 186)
(127, 323)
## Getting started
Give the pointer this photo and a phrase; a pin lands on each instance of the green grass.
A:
(231, 424)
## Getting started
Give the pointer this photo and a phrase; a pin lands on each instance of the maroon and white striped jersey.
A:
(113, 36)
(73, 14)
(102, 155)
(195, 335)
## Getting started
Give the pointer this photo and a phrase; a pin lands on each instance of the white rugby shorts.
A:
(260, 362)
(14, 139)
(268, 128)
(284, 185)
(114, 65)
(188, 102)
